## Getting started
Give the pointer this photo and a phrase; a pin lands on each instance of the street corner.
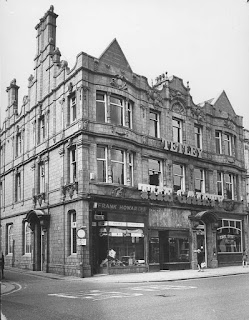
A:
(7, 287)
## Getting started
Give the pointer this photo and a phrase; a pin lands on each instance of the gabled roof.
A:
(222, 103)
(113, 55)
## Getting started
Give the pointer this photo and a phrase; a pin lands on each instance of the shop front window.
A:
(229, 236)
(178, 250)
(121, 246)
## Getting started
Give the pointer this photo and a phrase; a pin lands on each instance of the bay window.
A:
(116, 110)
(120, 163)
(102, 164)
(229, 184)
(118, 166)
(220, 188)
(113, 109)
(218, 146)
(228, 141)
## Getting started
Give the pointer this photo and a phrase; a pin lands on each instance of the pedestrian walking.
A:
(200, 259)
(244, 259)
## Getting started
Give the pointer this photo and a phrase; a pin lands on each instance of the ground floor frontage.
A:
(113, 236)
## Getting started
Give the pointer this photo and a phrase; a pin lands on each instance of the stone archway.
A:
(210, 219)
(39, 221)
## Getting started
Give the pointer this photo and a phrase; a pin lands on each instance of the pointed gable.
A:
(114, 56)
(223, 104)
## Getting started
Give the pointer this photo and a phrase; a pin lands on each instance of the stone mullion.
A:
(125, 110)
(108, 111)
(61, 167)
(83, 165)
(128, 178)
(14, 186)
(46, 187)
(168, 180)
(145, 170)
(109, 165)
(237, 187)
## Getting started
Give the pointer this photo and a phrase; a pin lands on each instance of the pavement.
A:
(159, 276)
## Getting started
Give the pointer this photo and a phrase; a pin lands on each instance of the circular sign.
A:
(81, 233)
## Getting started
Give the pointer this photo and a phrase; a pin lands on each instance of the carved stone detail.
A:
(70, 188)
(119, 82)
(178, 108)
(155, 97)
(39, 198)
(118, 192)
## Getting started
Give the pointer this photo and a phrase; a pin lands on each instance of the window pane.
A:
(100, 96)
(154, 165)
(178, 177)
(122, 251)
(176, 130)
(116, 100)
(117, 155)
(229, 239)
(116, 114)
(101, 152)
(153, 129)
(178, 250)
(118, 173)
(101, 171)
(154, 172)
(100, 111)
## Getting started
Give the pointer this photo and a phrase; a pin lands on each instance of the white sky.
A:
(205, 42)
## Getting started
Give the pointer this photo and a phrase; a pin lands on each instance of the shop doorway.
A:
(38, 222)
(174, 250)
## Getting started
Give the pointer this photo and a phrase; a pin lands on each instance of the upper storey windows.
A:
(198, 137)
(225, 143)
(218, 146)
(113, 109)
(72, 108)
(154, 129)
(177, 130)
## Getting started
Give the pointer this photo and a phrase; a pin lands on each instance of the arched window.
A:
(10, 239)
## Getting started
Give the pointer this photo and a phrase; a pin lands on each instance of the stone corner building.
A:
(103, 173)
